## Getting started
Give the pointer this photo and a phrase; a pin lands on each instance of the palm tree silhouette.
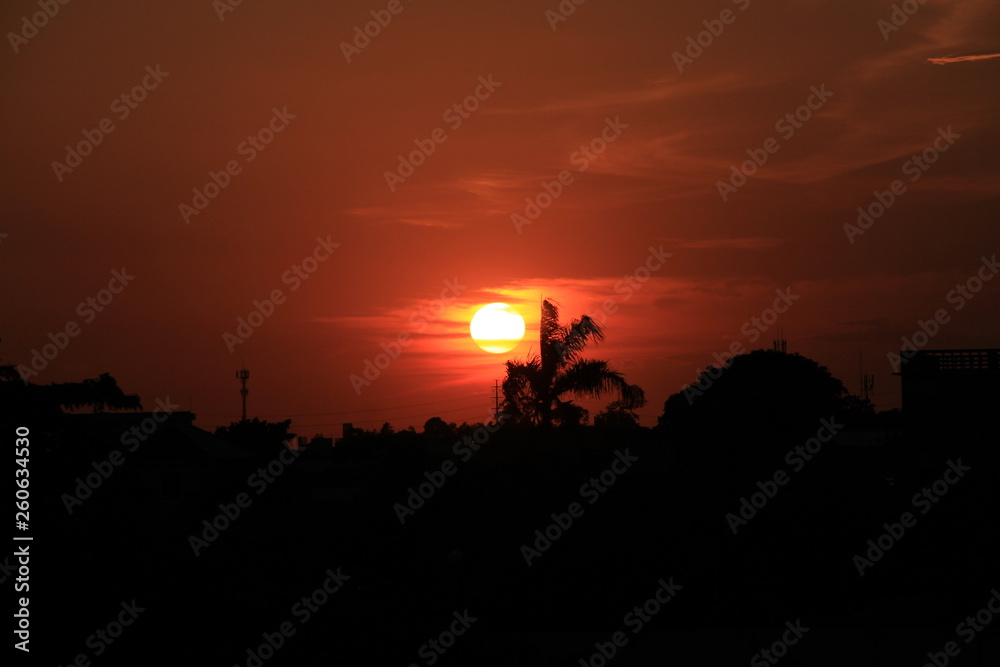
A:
(533, 388)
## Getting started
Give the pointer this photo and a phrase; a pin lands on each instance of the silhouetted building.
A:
(316, 443)
(950, 388)
(164, 454)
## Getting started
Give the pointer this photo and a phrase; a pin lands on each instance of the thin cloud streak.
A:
(947, 60)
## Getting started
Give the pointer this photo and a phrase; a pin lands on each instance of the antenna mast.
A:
(243, 375)
(780, 345)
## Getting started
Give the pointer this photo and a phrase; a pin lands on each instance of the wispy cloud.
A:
(747, 243)
(427, 215)
(947, 60)
(657, 89)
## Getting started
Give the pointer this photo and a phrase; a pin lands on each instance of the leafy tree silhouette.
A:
(439, 428)
(8, 373)
(18, 397)
(568, 413)
(617, 416)
(98, 394)
(533, 389)
(765, 399)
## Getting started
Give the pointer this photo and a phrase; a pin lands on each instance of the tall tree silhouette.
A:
(533, 389)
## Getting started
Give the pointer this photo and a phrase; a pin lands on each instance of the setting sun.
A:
(497, 328)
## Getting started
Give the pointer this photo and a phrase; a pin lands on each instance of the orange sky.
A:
(331, 129)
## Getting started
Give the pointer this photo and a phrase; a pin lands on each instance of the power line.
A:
(331, 414)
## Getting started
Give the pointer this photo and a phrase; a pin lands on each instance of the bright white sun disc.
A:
(497, 328)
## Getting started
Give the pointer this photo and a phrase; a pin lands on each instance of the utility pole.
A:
(865, 380)
(496, 399)
(243, 375)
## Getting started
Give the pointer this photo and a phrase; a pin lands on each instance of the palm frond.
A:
(521, 388)
(593, 379)
(532, 388)
(550, 336)
(578, 334)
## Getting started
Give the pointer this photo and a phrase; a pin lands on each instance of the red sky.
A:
(323, 175)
